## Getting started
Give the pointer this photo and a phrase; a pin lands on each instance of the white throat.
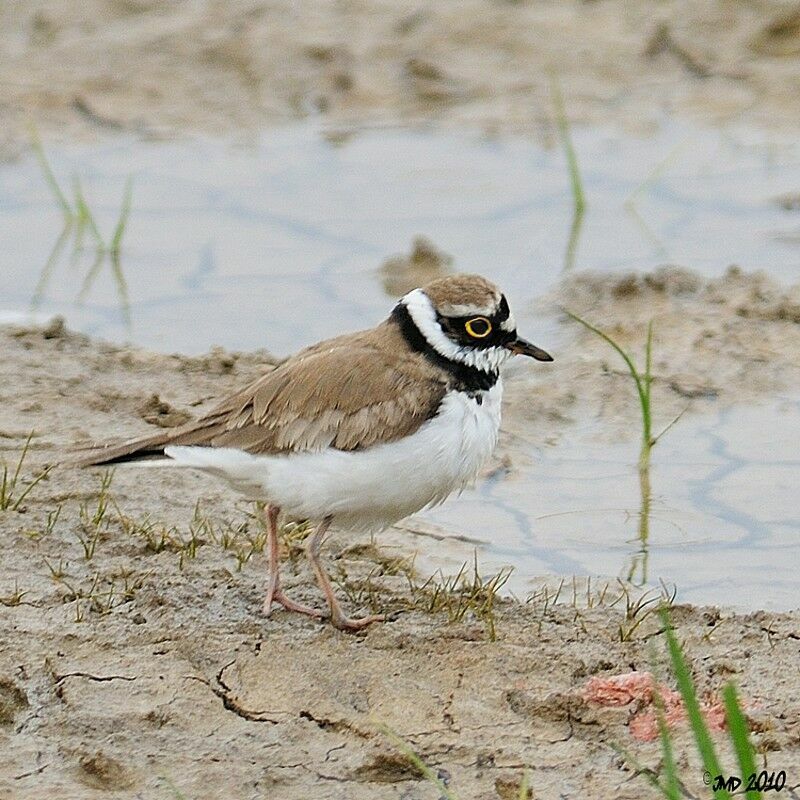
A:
(422, 312)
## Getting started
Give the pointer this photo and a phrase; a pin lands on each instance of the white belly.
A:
(373, 488)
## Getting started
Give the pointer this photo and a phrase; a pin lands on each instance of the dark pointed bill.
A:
(523, 348)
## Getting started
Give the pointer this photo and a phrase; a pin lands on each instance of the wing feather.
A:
(349, 393)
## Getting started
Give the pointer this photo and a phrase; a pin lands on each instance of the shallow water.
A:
(724, 520)
(278, 242)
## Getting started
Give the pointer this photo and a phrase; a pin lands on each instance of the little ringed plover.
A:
(361, 430)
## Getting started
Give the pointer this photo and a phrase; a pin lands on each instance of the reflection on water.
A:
(90, 262)
(724, 516)
(77, 221)
(285, 240)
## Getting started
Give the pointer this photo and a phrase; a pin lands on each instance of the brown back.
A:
(349, 393)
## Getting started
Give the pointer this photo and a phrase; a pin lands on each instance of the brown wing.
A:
(348, 393)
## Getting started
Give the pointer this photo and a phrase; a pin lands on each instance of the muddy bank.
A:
(229, 67)
(134, 656)
(716, 342)
(186, 686)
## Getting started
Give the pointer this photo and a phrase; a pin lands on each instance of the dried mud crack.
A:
(229, 701)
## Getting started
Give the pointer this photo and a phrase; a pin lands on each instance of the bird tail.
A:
(141, 449)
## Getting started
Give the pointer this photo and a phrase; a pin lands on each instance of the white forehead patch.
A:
(420, 307)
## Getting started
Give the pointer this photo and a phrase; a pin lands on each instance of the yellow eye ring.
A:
(478, 327)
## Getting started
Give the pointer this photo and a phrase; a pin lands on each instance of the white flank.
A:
(488, 359)
(373, 488)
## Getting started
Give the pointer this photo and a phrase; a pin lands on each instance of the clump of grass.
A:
(12, 493)
(242, 539)
(245, 539)
(156, 536)
(201, 530)
(463, 595)
(130, 584)
(50, 524)
(58, 571)
(637, 606)
(14, 598)
(95, 593)
(78, 219)
(366, 591)
(94, 523)
(460, 595)
(437, 778)
(293, 537)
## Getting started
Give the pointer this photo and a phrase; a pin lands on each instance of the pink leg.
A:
(274, 593)
(338, 618)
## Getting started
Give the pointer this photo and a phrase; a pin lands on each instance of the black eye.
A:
(478, 327)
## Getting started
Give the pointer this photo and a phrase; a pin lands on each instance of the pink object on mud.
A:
(620, 690)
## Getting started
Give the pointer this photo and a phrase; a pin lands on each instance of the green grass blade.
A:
(639, 767)
(625, 357)
(578, 197)
(29, 488)
(654, 174)
(85, 214)
(22, 456)
(686, 687)
(47, 270)
(119, 231)
(572, 241)
(50, 178)
(176, 792)
(424, 769)
(648, 382)
(122, 288)
(90, 277)
(4, 496)
(669, 425)
(737, 725)
(524, 785)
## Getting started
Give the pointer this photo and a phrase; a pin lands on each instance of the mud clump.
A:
(780, 37)
(423, 264)
(387, 768)
(12, 700)
(103, 772)
(55, 329)
(158, 412)
(720, 339)
(508, 787)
